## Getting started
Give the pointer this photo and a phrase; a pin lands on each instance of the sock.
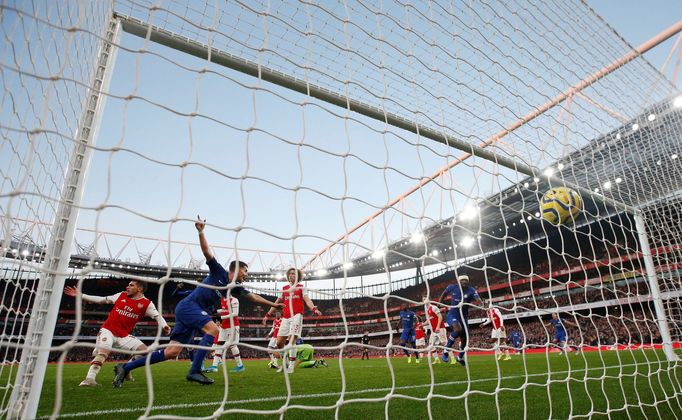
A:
(273, 358)
(93, 371)
(155, 357)
(237, 357)
(405, 349)
(200, 354)
(218, 353)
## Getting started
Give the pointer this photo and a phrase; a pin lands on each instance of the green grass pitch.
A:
(628, 382)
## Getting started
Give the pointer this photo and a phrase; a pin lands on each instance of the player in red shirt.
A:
(272, 344)
(228, 336)
(498, 334)
(420, 340)
(438, 335)
(129, 307)
(294, 299)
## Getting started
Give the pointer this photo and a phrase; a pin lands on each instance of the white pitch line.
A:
(331, 394)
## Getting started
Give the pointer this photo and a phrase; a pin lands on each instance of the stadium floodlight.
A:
(470, 212)
(619, 180)
(635, 127)
(378, 254)
(673, 156)
(467, 241)
(548, 171)
(434, 253)
(677, 102)
(536, 179)
(651, 117)
(279, 276)
(607, 185)
(348, 265)
(560, 166)
(416, 237)
(321, 272)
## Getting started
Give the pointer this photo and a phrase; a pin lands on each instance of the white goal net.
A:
(387, 149)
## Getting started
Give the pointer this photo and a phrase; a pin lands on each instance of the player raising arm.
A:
(129, 307)
(194, 313)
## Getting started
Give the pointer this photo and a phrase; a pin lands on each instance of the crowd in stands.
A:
(527, 288)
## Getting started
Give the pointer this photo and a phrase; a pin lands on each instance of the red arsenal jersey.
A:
(293, 302)
(225, 310)
(495, 317)
(125, 314)
(431, 313)
(419, 331)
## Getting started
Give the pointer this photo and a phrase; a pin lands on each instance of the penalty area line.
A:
(330, 394)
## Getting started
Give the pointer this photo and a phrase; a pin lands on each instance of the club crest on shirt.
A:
(204, 313)
(139, 306)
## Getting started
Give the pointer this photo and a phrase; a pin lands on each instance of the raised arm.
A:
(73, 292)
(203, 243)
(261, 300)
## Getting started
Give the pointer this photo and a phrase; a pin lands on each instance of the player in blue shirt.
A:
(516, 340)
(560, 336)
(194, 313)
(407, 321)
(461, 295)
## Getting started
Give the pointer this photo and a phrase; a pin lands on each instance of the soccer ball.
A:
(560, 205)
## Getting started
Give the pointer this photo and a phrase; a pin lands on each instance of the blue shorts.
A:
(560, 337)
(455, 317)
(189, 317)
(407, 336)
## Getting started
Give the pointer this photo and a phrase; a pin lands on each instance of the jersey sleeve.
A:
(239, 292)
(153, 313)
(215, 269)
(101, 299)
(234, 307)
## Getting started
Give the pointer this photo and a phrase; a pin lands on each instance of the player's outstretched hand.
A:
(167, 330)
(278, 305)
(265, 320)
(317, 311)
(70, 291)
(200, 224)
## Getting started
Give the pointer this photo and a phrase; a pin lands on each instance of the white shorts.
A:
(440, 338)
(107, 341)
(498, 333)
(229, 335)
(291, 326)
(272, 343)
(421, 342)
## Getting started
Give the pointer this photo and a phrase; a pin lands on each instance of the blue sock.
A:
(155, 357)
(451, 338)
(405, 349)
(200, 354)
(190, 353)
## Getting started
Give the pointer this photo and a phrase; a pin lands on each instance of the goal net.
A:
(388, 150)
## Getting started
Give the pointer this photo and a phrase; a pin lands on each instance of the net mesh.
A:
(304, 133)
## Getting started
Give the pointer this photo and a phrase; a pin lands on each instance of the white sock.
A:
(273, 358)
(93, 371)
(217, 355)
(237, 357)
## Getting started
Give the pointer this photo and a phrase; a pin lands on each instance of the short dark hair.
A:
(233, 265)
(141, 284)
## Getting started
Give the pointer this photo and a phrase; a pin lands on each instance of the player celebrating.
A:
(229, 333)
(365, 342)
(498, 333)
(560, 336)
(193, 313)
(129, 307)
(437, 325)
(407, 320)
(294, 298)
(272, 344)
(461, 295)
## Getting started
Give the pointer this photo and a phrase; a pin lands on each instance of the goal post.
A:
(37, 344)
